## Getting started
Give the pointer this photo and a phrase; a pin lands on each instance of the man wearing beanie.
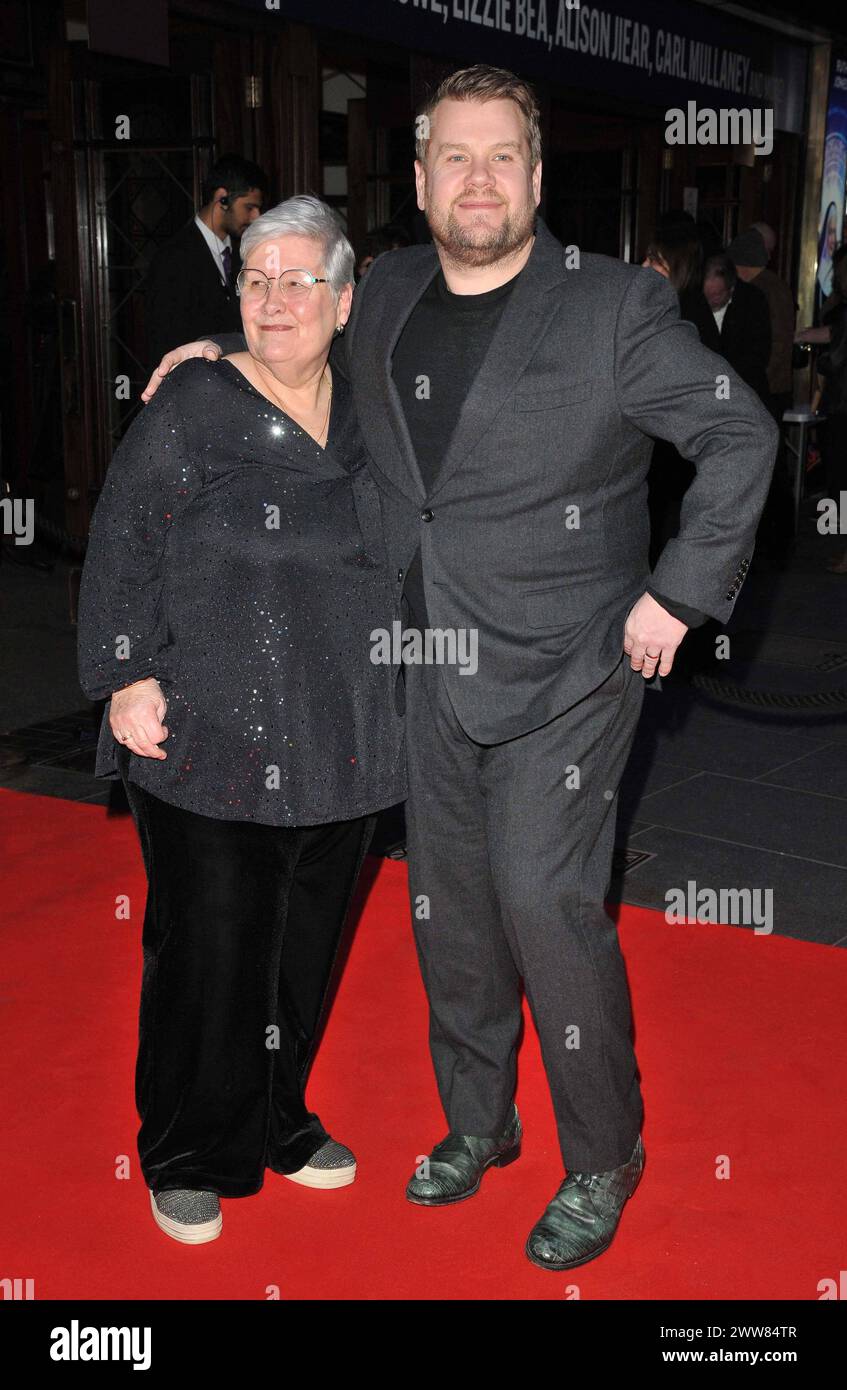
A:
(750, 253)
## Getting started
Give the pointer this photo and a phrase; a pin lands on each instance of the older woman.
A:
(234, 575)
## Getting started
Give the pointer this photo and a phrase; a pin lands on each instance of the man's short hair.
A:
(723, 266)
(484, 83)
(236, 175)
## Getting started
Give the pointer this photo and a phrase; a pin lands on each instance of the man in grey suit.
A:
(508, 391)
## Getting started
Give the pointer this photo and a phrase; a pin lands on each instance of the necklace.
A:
(290, 412)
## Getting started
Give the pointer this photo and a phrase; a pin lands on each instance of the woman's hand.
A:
(135, 717)
(203, 347)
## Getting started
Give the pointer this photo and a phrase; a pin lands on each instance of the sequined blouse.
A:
(242, 565)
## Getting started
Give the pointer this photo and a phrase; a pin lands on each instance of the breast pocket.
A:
(553, 397)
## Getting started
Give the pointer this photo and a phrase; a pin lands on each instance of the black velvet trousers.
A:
(241, 930)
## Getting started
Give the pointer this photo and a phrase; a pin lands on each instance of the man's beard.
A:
(464, 245)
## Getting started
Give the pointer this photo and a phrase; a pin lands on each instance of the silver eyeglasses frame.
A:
(292, 270)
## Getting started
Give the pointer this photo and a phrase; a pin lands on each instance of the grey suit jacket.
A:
(536, 532)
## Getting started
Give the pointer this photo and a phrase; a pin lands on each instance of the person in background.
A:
(821, 335)
(710, 242)
(818, 335)
(750, 253)
(191, 280)
(832, 369)
(376, 243)
(702, 230)
(740, 329)
(827, 243)
(675, 253)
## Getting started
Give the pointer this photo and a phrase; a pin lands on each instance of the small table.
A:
(802, 419)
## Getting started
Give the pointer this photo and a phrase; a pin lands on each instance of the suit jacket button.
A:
(399, 575)
(426, 514)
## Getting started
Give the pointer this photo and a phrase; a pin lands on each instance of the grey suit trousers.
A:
(510, 849)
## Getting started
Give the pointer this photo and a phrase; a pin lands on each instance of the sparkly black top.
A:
(242, 565)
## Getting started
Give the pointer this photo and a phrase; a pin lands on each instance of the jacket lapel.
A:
(396, 456)
(204, 258)
(521, 327)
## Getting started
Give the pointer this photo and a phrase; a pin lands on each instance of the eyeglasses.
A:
(293, 284)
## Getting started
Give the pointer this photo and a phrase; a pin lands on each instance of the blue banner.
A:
(831, 227)
(659, 53)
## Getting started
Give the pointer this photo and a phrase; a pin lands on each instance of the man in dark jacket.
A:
(191, 280)
(740, 328)
(750, 253)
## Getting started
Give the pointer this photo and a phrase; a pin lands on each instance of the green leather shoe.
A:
(581, 1220)
(457, 1164)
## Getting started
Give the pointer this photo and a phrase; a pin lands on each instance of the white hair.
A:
(306, 216)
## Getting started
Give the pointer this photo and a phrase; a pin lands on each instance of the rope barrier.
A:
(727, 692)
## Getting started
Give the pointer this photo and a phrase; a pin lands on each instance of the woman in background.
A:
(676, 254)
(832, 369)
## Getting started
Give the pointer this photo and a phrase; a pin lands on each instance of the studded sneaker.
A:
(192, 1217)
(332, 1166)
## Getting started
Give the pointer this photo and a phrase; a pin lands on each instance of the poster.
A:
(831, 221)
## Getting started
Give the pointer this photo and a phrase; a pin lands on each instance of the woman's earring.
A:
(339, 329)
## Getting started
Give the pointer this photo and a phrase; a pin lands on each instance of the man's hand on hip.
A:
(651, 637)
(203, 347)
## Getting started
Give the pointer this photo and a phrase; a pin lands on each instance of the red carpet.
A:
(740, 1042)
